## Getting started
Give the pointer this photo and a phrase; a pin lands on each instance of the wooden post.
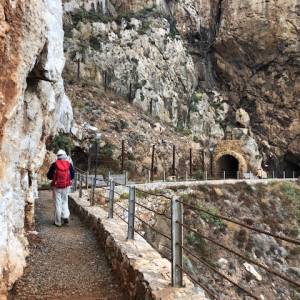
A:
(78, 69)
(126, 177)
(122, 156)
(89, 160)
(80, 185)
(211, 164)
(105, 80)
(191, 163)
(203, 160)
(151, 107)
(174, 161)
(130, 93)
(152, 163)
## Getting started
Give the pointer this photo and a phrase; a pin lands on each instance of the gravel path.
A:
(65, 263)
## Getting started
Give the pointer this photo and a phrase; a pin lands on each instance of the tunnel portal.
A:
(229, 164)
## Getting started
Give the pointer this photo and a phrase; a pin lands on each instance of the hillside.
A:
(211, 69)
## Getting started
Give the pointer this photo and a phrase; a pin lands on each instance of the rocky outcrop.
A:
(199, 63)
(257, 59)
(33, 105)
(141, 58)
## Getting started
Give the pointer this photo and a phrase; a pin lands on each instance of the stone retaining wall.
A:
(143, 273)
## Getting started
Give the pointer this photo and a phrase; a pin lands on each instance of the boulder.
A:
(251, 269)
(242, 118)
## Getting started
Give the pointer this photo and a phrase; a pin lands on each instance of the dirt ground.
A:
(65, 263)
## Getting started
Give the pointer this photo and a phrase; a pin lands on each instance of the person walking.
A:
(61, 173)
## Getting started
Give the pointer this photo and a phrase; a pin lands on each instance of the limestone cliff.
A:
(197, 63)
(32, 106)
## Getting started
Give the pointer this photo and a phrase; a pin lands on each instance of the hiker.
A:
(61, 173)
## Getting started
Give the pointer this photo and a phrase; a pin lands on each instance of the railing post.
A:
(174, 161)
(149, 176)
(75, 182)
(131, 213)
(205, 175)
(177, 243)
(164, 175)
(273, 174)
(80, 186)
(152, 163)
(186, 176)
(122, 156)
(86, 181)
(283, 174)
(111, 199)
(293, 174)
(126, 177)
(224, 175)
(191, 163)
(93, 192)
(237, 175)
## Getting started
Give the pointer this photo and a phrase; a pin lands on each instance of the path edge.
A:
(142, 272)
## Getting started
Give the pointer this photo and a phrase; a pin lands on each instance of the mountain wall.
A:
(215, 67)
(32, 106)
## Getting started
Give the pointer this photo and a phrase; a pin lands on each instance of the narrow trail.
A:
(65, 263)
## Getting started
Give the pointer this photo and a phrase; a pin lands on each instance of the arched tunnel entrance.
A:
(228, 164)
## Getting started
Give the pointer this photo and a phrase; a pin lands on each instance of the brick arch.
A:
(239, 157)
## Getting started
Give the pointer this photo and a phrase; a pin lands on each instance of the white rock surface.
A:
(37, 109)
(242, 117)
(253, 271)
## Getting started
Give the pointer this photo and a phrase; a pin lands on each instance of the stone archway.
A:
(233, 163)
(228, 164)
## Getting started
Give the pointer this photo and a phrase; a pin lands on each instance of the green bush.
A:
(61, 141)
(198, 174)
(106, 151)
(292, 192)
(199, 244)
(94, 43)
(196, 139)
(124, 196)
(68, 30)
(183, 130)
(81, 15)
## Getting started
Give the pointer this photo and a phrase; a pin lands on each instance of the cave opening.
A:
(228, 164)
(289, 169)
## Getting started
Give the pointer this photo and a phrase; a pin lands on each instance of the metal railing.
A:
(177, 228)
(223, 175)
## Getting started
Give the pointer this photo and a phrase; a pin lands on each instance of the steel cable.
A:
(241, 256)
(219, 273)
(287, 239)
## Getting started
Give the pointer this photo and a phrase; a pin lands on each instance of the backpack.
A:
(62, 177)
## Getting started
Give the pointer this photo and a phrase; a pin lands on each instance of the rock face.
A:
(141, 60)
(236, 56)
(257, 58)
(33, 105)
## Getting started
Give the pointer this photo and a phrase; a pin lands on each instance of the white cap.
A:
(61, 152)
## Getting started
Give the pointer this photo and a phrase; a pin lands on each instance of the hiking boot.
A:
(66, 221)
